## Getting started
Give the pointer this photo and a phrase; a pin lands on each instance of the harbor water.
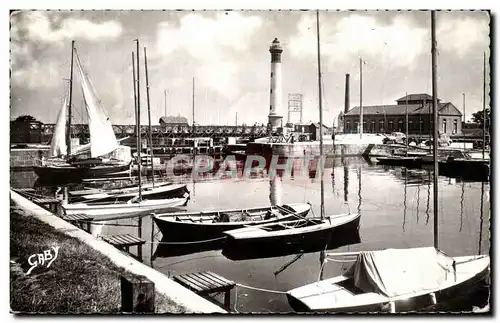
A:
(396, 206)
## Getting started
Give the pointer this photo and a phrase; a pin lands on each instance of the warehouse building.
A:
(390, 118)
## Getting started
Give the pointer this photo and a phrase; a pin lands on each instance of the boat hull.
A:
(401, 161)
(158, 193)
(314, 238)
(419, 303)
(58, 173)
(122, 210)
(185, 231)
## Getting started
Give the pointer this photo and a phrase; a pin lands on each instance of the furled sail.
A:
(58, 143)
(102, 136)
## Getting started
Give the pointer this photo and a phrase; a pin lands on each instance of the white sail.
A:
(102, 136)
(58, 143)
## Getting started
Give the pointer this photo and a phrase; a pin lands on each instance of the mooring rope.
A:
(187, 242)
(261, 289)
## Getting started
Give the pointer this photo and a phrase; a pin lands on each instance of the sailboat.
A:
(74, 163)
(302, 230)
(397, 280)
(127, 204)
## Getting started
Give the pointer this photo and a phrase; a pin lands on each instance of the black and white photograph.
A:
(238, 161)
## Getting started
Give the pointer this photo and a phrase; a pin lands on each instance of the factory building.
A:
(390, 118)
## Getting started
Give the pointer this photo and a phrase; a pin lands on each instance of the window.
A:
(410, 125)
(455, 126)
(400, 125)
(348, 126)
(444, 125)
(381, 126)
(391, 125)
(373, 127)
(356, 127)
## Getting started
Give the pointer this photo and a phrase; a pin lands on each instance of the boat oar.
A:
(285, 266)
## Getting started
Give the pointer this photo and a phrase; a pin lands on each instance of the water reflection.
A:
(404, 199)
(462, 206)
(481, 219)
(275, 190)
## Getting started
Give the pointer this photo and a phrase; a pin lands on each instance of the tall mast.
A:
(192, 94)
(360, 98)
(139, 138)
(149, 118)
(134, 80)
(463, 95)
(68, 132)
(484, 101)
(436, 125)
(322, 208)
(165, 94)
(406, 126)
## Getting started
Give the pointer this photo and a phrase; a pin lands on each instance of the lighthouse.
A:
(275, 119)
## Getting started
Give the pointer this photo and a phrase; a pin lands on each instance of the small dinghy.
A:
(159, 191)
(393, 280)
(292, 232)
(122, 209)
(400, 161)
(197, 226)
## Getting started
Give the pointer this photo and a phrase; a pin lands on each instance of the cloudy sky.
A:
(227, 54)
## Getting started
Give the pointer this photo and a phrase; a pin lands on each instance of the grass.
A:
(80, 280)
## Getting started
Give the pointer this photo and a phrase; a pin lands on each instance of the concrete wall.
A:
(26, 158)
(192, 302)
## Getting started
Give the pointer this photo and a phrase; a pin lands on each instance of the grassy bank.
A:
(80, 280)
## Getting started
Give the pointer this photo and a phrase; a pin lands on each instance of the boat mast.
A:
(463, 95)
(139, 132)
(322, 208)
(407, 139)
(436, 124)
(149, 118)
(165, 94)
(68, 132)
(360, 98)
(484, 101)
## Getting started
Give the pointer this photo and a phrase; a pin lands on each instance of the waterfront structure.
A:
(26, 130)
(275, 120)
(311, 130)
(172, 121)
(389, 118)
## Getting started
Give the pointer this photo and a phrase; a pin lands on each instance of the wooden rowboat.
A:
(305, 231)
(198, 226)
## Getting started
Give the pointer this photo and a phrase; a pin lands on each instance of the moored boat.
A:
(400, 161)
(393, 280)
(159, 191)
(300, 231)
(121, 209)
(197, 226)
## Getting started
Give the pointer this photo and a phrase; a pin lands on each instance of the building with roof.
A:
(390, 118)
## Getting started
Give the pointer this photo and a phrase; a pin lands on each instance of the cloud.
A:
(357, 35)
(460, 35)
(47, 27)
(216, 43)
(35, 61)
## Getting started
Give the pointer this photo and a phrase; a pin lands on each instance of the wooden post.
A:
(138, 294)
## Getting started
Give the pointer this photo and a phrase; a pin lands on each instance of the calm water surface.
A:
(397, 212)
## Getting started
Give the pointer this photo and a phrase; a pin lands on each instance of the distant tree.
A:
(478, 117)
(25, 118)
